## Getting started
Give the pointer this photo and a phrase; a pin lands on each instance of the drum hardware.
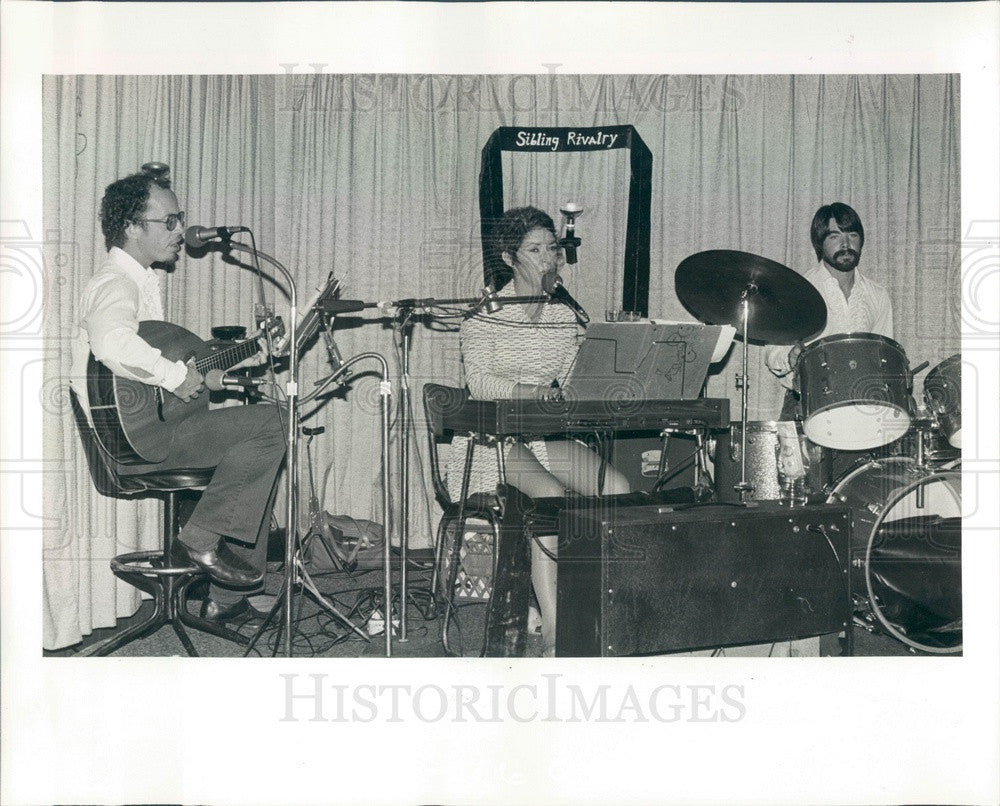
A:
(702, 478)
(926, 428)
(766, 301)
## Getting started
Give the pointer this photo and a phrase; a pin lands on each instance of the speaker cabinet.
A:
(651, 579)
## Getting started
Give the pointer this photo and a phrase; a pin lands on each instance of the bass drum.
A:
(906, 549)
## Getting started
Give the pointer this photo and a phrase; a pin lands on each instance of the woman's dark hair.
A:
(124, 201)
(846, 218)
(507, 235)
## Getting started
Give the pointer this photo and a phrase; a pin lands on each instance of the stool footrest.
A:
(143, 562)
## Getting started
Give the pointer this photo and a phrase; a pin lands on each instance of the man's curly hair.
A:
(125, 201)
(507, 235)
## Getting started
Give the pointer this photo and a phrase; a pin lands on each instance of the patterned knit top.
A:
(499, 351)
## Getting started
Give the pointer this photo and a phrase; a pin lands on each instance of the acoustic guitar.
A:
(135, 421)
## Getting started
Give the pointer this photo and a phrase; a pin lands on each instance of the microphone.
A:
(335, 306)
(553, 285)
(217, 380)
(196, 237)
(570, 242)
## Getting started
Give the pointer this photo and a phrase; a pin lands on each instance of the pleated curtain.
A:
(375, 177)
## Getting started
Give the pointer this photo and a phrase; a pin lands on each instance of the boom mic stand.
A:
(405, 309)
(292, 563)
(291, 442)
(385, 392)
(291, 463)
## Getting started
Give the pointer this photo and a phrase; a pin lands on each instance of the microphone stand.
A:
(402, 321)
(291, 448)
(291, 487)
(385, 392)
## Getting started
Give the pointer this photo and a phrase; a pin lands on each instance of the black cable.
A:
(819, 529)
(546, 551)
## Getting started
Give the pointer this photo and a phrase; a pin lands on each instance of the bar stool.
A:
(151, 571)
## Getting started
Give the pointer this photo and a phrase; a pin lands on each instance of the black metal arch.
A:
(635, 280)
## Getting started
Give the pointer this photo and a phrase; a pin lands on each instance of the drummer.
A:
(854, 302)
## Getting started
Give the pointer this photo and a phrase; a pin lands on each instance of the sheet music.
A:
(726, 336)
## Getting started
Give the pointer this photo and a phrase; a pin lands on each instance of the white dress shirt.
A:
(868, 310)
(119, 296)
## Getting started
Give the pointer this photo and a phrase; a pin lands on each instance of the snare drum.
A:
(855, 391)
(906, 549)
(943, 394)
(763, 460)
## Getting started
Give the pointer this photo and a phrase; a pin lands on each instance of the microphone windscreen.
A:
(551, 281)
(213, 380)
(192, 237)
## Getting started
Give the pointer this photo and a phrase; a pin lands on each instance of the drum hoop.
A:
(768, 426)
(861, 401)
(891, 501)
(855, 336)
(946, 363)
(862, 464)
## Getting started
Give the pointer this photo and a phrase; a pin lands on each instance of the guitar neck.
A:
(227, 357)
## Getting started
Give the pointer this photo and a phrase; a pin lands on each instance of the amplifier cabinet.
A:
(646, 580)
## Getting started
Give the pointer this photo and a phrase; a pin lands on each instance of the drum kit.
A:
(855, 391)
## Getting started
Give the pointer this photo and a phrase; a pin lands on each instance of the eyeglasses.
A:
(171, 221)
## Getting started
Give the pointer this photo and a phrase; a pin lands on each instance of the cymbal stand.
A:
(743, 487)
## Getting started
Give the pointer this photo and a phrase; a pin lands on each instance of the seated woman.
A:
(517, 353)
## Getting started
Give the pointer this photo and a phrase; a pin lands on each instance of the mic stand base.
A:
(305, 584)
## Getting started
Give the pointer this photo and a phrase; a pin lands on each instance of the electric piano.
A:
(534, 418)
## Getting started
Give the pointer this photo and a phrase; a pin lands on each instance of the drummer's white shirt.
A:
(869, 310)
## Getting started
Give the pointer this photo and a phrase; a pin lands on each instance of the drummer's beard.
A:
(846, 260)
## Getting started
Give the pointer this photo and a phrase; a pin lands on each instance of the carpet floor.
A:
(339, 615)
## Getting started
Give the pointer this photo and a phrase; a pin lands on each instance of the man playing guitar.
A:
(226, 534)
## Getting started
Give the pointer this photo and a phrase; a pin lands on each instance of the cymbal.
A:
(784, 307)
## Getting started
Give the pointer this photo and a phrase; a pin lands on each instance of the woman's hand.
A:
(542, 392)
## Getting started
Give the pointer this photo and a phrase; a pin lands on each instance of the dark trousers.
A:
(246, 446)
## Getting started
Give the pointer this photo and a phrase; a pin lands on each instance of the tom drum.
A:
(771, 455)
(943, 395)
(855, 391)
